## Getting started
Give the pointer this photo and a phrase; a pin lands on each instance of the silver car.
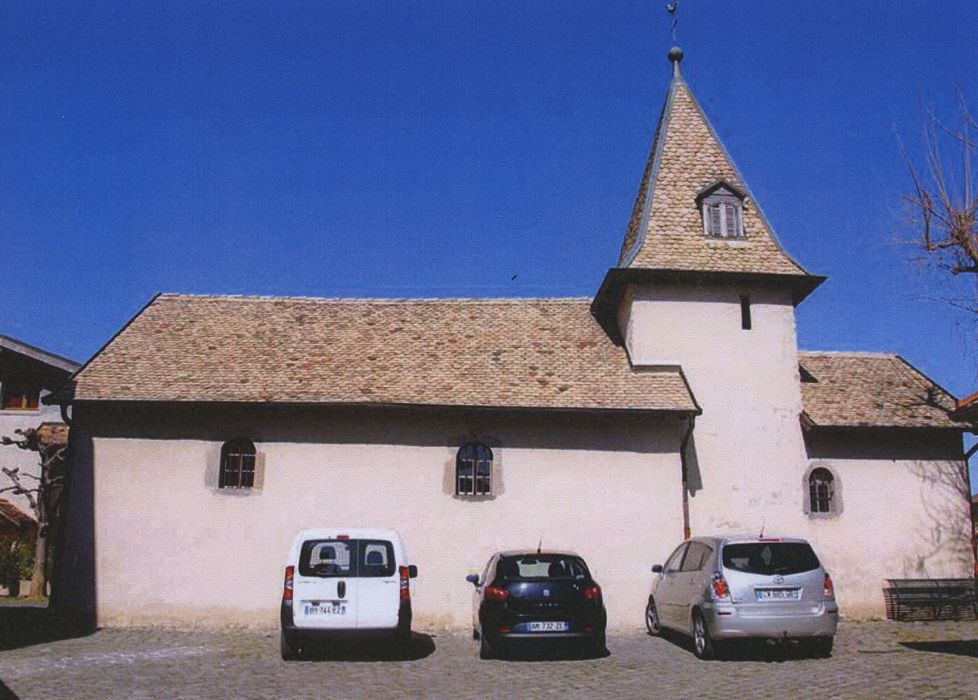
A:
(722, 589)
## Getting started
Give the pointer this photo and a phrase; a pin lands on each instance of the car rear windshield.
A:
(770, 558)
(346, 558)
(542, 567)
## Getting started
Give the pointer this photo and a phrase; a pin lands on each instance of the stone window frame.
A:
(719, 204)
(835, 500)
(481, 486)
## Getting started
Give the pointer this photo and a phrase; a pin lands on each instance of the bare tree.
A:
(41, 492)
(943, 204)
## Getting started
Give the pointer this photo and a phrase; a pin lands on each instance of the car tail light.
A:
(405, 585)
(828, 589)
(720, 587)
(496, 593)
(289, 583)
(592, 592)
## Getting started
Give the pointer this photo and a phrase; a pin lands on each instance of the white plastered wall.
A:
(169, 547)
(748, 452)
(897, 517)
(750, 461)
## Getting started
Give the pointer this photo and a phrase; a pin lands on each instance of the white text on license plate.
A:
(325, 609)
(547, 626)
(779, 594)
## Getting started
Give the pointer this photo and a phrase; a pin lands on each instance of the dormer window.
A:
(722, 207)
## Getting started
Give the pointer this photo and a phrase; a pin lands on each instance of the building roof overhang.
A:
(605, 305)
(38, 355)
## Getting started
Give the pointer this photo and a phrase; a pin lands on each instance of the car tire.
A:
(485, 651)
(821, 647)
(289, 652)
(704, 646)
(402, 638)
(652, 622)
(475, 634)
(598, 646)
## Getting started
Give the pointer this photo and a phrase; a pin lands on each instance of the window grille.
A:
(237, 464)
(473, 470)
(821, 490)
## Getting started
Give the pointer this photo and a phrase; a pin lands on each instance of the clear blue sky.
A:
(439, 148)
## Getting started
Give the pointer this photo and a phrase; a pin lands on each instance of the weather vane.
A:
(671, 8)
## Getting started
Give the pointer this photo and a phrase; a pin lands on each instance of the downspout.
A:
(687, 434)
(971, 508)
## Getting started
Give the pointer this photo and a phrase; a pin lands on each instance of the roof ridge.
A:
(375, 300)
(851, 353)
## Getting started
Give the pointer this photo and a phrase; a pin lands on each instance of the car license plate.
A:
(778, 594)
(547, 626)
(325, 608)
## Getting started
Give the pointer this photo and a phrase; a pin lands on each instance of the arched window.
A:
(821, 491)
(473, 470)
(237, 464)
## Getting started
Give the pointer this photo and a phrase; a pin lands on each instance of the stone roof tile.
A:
(871, 390)
(666, 227)
(546, 353)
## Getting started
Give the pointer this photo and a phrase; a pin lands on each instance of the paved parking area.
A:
(876, 659)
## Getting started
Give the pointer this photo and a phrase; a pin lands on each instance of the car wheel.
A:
(598, 646)
(703, 645)
(652, 623)
(475, 634)
(821, 647)
(289, 652)
(485, 651)
(402, 637)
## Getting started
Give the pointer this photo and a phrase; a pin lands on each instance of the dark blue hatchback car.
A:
(533, 600)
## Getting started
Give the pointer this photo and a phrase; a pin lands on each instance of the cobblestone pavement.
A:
(877, 659)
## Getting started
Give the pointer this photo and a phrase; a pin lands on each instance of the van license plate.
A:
(547, 626)
(329, 609)
(779, 594)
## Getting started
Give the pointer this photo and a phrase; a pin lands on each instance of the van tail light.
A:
(496, 593)
(289, 583)
(720, 587)
(405, 583)
(592, 592)
(828, 589)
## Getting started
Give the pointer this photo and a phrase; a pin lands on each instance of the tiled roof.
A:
(547, 353)
(13, 520)
(871, 390)
(666, 227)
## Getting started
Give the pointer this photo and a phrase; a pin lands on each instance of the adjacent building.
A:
(27, 375)
(674, 402)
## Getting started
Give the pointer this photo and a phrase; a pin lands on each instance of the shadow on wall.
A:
(415, 426)
(946, 533)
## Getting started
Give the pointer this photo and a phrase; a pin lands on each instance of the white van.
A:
(345, 580)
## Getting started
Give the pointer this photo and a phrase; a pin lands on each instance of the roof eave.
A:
(604, 307)
(694, 410)
(34, 353)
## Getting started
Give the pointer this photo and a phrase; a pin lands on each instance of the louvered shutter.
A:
(730, 220)
(715, 229)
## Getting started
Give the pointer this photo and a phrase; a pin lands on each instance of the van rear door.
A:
(378, 585)
(325, 586)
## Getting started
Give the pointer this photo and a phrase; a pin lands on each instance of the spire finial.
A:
(675, 53)
(676, 56)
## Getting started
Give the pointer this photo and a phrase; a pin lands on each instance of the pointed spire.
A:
(666, 230)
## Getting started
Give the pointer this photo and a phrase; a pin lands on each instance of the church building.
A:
(674, 403)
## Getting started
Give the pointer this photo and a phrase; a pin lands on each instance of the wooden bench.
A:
(930, 599)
